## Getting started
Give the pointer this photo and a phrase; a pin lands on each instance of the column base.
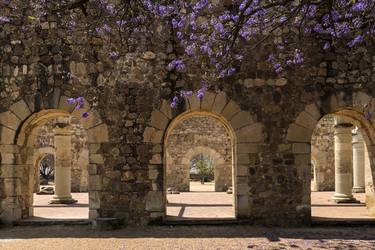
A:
(358, 190)
(341, 198)
(62, 200)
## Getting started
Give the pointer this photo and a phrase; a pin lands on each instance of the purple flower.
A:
(177, 64)
(298, 57)
(278, 68)
(114, 55)
(200, 94)
(186, 93)
(327, 46)
(231, 71)
(174, 102)
(85, 114)
(356, 40)
(71, 101)
(4, 19)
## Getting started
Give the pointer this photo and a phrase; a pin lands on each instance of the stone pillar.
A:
(62, 165)
(358, 163)
(343, 161)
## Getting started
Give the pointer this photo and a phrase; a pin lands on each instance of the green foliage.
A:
(205, 168)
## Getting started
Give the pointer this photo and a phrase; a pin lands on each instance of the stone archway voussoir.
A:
(230, 110)
(297, 133)
(20, 109)
(220, 102)
(10, 120)
(208, 101)
(98, 134)
(241, 119)
(159, 120)
(251, 133)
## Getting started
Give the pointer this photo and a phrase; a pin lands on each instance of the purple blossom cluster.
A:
(215, 35)
(79, 103)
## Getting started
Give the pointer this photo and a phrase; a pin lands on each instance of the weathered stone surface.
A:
(154, 201)
(98, 134)
(241, 119)
(124, 93)
(251, 133)
(219, 103)
(7, 135)
(20, 109)
(230, 110)
(299, 134)
(159, 120)
(10, 120)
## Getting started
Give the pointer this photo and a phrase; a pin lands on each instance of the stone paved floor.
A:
(186, 237)
(200, 203)
(203, 203)
(43, 210)
(323, 208)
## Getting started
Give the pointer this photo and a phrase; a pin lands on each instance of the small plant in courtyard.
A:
(204, 167)
(47, 169)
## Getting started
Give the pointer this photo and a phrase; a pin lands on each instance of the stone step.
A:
(51, 222)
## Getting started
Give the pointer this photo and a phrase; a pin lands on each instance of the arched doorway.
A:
(355, 107)
(19, 129)
(340, 152)
(247, 135)
(201, 142)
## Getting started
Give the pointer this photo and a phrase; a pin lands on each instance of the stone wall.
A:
(323, 155)
(272, 116)
(191, 137)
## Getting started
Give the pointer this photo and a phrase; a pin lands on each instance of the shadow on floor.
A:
(233, 231)
(62, 205)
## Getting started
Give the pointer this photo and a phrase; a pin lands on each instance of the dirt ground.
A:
(186, 237)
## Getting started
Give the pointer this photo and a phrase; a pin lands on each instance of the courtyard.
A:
(202, 203)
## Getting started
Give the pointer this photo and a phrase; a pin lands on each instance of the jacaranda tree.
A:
(216, 36)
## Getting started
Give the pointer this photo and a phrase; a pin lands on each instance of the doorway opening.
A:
(341, 166)
(59, 171)
(199, 169)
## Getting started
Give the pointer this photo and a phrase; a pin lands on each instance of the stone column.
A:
(62, 164)
(343, 161)
(358, 163)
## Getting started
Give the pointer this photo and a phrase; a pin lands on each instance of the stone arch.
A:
(246, 134)
(221, 166)
(38, 156)
(299, 133)
(18, 129)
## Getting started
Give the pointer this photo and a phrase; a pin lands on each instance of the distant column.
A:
(62, 165)
(343, 161)
(358, 163)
